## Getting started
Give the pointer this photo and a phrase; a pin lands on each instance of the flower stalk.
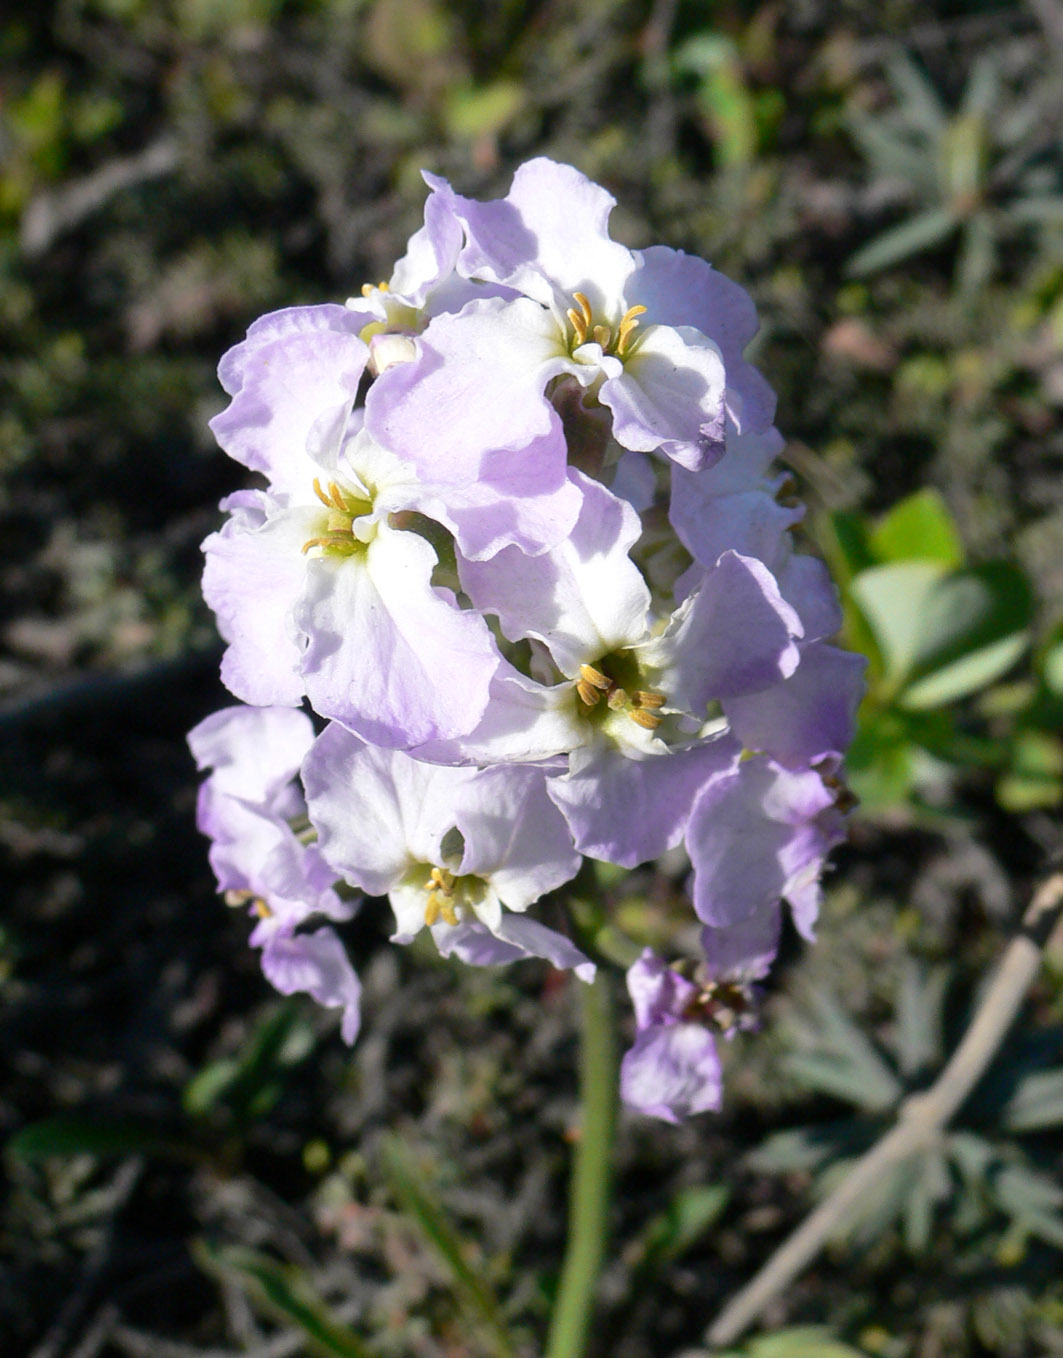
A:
(590, 1191)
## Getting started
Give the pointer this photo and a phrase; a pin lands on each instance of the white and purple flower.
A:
(521, 544)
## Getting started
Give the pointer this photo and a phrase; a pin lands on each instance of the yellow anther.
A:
(369, 288)
(439, 906)
(338, 522)
(589, 695)
(590, 675)
(648, 720)
(647, 698)
(440, 903)
(603, 335)
(627, 328)
(581, 320)
(617, 699)
(237, 897)
(261, 909)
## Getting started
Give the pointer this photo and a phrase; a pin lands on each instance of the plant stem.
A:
(592, 1173)
(920, 1119)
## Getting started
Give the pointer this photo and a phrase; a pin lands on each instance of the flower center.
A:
(585, 328)
(595, 685)
(728, 1005)
(449, 896)
(345, 532)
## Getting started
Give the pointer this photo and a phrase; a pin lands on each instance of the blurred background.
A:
(197, 1168)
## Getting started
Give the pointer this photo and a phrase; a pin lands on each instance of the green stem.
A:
(592, 1173)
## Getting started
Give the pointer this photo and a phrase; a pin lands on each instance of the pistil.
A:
(339, 537)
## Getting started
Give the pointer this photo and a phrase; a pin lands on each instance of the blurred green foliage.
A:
(936, 632)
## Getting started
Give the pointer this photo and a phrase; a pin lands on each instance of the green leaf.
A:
(283, 1293)
(847, 544)
(918, 528)
(679, 1227)
(920, 1014)
(975, 627)
(966, 675)
(89, 1136)
(840, 1060)
(895, 600)
(918, 233)
(484, 110)
(880, 765)
(916, 95)
(804, 1149)
(801, 1341)
(1036, 1103)
(250, 1083)
(470, 1283)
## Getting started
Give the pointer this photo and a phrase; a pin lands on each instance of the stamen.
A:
(649, 721)
(592, 676)
(327, 540)
(440, 898)
(261, 909)
(617, 700)
(239, 896)
(368, 288)
(325, 499)
(646, 697)
(589, 695)
(581, 320)
(603, 335)
(627, 328)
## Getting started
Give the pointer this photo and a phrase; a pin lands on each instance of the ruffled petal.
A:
(317, 964)
(377, 811)
(756, 835)
(734, 634)
(548, 238)
(514, 835)
(680, 289)
(295, 370)
(475, 388)
(387, 653)
(253, 577)
(671, 1073)
(628, 811)
(810, 715)
(669, 397)
(583, 600)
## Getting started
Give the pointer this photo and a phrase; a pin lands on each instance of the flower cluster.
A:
(522, 551)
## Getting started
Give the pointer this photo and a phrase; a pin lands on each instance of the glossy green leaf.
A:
(966, 675)
(918, 528)
(895, 600)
